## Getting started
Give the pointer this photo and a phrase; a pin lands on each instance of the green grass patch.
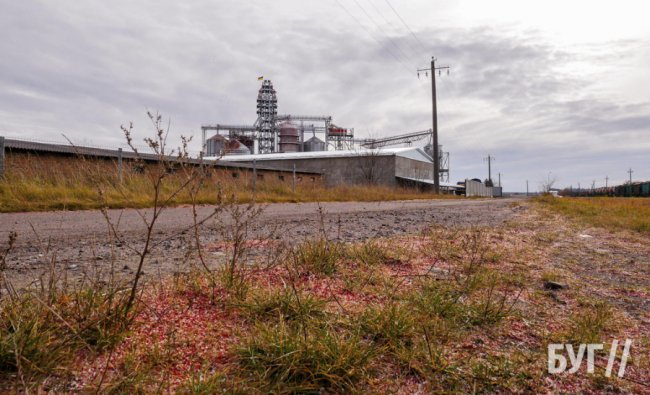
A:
(284, 304)
(41, 332)
(320, 256)
(284, 358)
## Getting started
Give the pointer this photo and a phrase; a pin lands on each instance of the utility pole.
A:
(526, 187)
(630, 171)
(434, 130)
(499, 180)
(489, 160)
(606, 180)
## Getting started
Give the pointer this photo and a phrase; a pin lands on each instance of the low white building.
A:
(386, 166)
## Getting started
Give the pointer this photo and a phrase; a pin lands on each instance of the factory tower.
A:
(267, 112)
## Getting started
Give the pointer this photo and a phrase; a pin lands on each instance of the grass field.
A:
(40, 184)
(443, 311)
(446, 311)
(607, 212)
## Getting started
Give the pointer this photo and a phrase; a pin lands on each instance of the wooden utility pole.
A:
(434, 132)
(489, 160)
(630, 171)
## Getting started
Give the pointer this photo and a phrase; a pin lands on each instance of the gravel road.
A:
(78, 240)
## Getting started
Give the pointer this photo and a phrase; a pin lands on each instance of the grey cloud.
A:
(84, 68)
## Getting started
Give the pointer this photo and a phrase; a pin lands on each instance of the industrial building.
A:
(407, 166)
(273, 132)
(316, 144)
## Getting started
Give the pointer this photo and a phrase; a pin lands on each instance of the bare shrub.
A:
(236, 228)
(548, 183)
(168, 161)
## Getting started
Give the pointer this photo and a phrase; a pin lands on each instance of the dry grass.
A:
(48, 183)
(607, 212)
(441, 314)
(301, 329)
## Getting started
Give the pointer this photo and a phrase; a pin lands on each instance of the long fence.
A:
(120, 155)
(635, 189)
(2, 156)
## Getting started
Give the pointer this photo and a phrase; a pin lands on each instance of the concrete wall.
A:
(360, 169)
(344, 170)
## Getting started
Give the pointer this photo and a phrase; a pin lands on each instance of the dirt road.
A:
(80, 239)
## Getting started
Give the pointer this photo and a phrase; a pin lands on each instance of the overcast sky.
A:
(559, 87)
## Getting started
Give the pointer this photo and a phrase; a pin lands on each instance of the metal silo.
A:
(314, 144)
(289, 137)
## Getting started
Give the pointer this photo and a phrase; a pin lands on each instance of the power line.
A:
(423, 84)
(410, 44)
(405, 24)
(370, 34)
(382, 30)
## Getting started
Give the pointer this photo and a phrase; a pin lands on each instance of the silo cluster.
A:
(273, 133)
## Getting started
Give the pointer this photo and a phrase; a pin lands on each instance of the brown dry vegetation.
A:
(442, 311)
(36, 183)
(607, 212)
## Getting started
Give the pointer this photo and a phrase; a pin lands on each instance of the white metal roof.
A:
(407, 152)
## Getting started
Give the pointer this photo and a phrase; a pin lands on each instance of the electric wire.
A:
(410, 44)
(372, 35)
(405, 24)
(382, 30)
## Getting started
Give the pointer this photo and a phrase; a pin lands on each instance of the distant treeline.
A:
(635, 189)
